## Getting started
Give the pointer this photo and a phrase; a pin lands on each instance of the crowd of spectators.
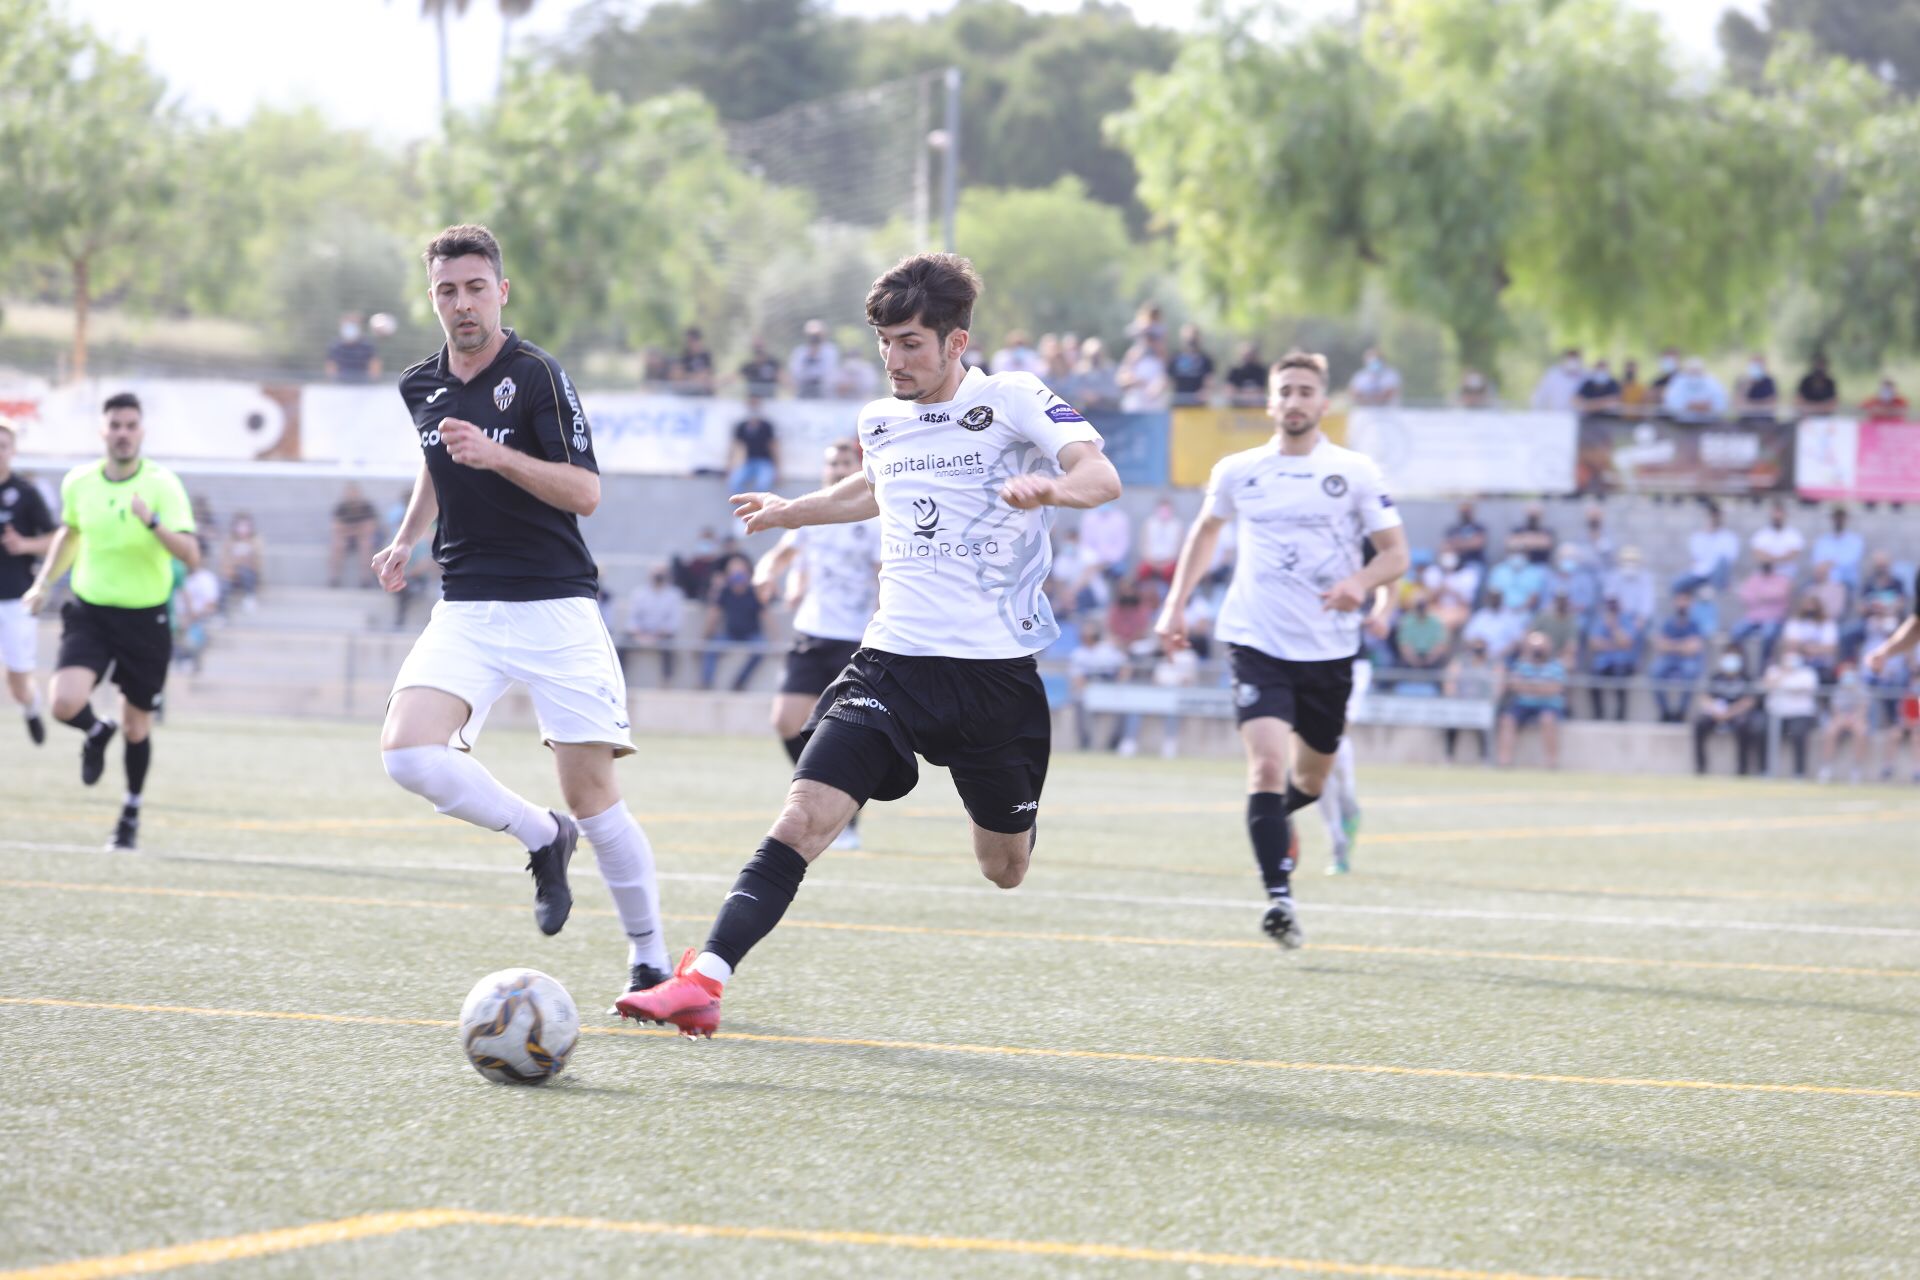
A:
(1683, 390)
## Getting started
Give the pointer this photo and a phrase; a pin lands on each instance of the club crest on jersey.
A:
(503, 394)
(1334, 486)
(1064, 412)
(926, 517)
(978, 418)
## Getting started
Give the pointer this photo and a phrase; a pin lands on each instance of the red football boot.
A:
(689, 1000)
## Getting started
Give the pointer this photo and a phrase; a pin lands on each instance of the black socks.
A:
(795, 745)
(1297, 799)
(759, 898)
(83, 719)
(1272, 836)
(139, 756)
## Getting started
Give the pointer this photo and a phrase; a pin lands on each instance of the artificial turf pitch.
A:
(1552, 1026)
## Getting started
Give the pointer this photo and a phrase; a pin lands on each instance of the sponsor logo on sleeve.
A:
(1064, 412)
(978, 418)
(579, 418)
(1385, 501)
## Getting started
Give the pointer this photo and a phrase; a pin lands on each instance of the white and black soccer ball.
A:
(519, 1026)
(382, 325)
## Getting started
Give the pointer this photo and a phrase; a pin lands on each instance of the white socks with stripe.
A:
(626, 864)
(457, 784)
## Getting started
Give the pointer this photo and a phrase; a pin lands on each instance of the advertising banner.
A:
(1136, 443)
(1840, 458)
(1624, 455)
(1202, 435)
(1434, 453)
(187, 418)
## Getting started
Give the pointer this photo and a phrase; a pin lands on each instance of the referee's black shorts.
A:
(1310, 696)
(985, 719)
(132, 646)
(814, 663)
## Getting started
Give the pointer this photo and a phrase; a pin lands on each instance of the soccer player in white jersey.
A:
(835, 575)
(961, 468)
(1303, 507)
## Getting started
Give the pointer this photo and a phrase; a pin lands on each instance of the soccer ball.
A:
(519, 1026)
(382, 325)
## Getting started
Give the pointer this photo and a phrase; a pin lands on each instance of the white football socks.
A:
(709, 965)
(457, 784)
(626, 864)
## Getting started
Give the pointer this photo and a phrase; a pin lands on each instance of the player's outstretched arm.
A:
(1196, 553)
(1086, 479)
(1901, 641)
(850, 500)
(60, 557)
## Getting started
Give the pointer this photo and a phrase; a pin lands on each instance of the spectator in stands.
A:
(1190, 371)
(1885, 402)
(1467, 538)
(352, 357)
(1817, 392)
(1475, 392)
(857, 378)
(1496, 628)
(1161, 535)
(1144, 386)
(1694, 395)
(1842, 549)
(1147, 323)
(1561, 624)
(1766, 595)
(243, 557)
(656, 367)
(1520, 582)
(1881, 581)
(1559, 386)
(1613, 648)
(1793, 701)
(1631, 583)
(1599, 392)
(1828, 590)
(1376, 382)
(1420, 639)
(753, 456)
(1247, 380)
(1814, 636)
(1097, 660)
(1669, 370)
(655, 612)
(1076, 577)
(1755, 395)
(1130, 616)
(1599, 549)
(1777, 542)
(813, 364)
(356, 527)
(1451, 590)
(1711, 553)
(1536, 694)
(1017, 356)
(734, 620)
(760, 373)
(1107, 534)
(1056, 358)
(693, 367)
(1177, 670)
(1203, 610)
(1678, 648)
(1096, 382)
(1847, 717)
(1637, 399)
(1533, 537)
(1474, 675)
(195, 603)
(1731, 705)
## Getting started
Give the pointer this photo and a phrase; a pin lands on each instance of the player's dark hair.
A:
(122, 400)
(936, 289)
(1311, 361)
(458, 242)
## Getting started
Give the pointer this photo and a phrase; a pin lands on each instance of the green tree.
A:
(1053, 259)
(646, 229)
(86, 157)
(1881, 35)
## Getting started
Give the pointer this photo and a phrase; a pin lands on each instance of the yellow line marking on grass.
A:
(258, 1244)
(1022, 1051)
(997, 935)
(231, 1248)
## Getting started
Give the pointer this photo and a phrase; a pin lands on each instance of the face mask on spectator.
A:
(1792, 662)
(1668, 364)
(350, 331)
(1730, 664)
(1756, 370)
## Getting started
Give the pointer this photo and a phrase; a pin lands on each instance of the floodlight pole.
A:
(950, 196)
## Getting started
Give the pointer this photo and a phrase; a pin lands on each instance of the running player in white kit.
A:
(838, 587)
(1304, 508)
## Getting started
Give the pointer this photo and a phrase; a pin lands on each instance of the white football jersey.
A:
(839, 564)
(1301, 521)
(962, 574)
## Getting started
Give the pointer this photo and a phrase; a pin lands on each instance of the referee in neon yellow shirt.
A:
(124, 520)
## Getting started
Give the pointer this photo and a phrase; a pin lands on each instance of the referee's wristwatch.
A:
(153, 521)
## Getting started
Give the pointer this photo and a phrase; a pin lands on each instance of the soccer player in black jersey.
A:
(507, 466)
(26, 533)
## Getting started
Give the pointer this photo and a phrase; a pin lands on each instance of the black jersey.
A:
(24, 511)
(496, 541)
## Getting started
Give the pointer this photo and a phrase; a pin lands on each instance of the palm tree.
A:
(438, 9)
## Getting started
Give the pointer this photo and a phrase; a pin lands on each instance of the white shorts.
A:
(19, 636)
(559, 649)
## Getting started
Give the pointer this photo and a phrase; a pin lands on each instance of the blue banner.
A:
(1136, 444)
